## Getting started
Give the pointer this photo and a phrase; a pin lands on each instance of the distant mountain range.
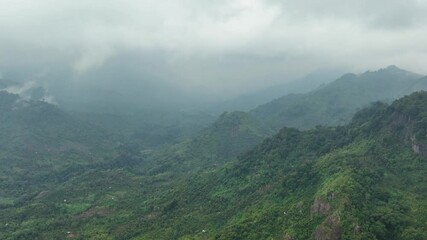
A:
(336, 102)
(270, 173)
(305, 84)
(329, 105)
(38, 142)
(365, 180)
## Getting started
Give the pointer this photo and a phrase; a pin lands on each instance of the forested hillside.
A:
(213, 120)
(335, 103)
(40, 144)
(365, 180)
(229, 136)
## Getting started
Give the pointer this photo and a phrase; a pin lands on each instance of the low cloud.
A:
(221, 47)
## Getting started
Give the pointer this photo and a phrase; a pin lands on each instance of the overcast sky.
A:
(228, 46)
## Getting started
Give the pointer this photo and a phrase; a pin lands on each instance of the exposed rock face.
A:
(420, 149)
(288, 237)
(329, 229)
(401, 121)
(356, 230)
(42, 194)
(320, 207)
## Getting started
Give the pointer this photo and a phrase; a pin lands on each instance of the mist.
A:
(195, 53)
(226, 119)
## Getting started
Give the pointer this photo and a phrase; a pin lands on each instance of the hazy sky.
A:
(226, 46)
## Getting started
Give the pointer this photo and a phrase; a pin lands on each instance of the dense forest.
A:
(358, 172)
(213, 120)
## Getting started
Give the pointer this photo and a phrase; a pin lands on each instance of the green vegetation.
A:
(335, 103)
(64, 178)
(150, 129)
(230, 135)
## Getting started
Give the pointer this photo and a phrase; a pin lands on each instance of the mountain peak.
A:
(388, 69)
(393, 68)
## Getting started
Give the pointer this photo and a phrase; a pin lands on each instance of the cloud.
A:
(227, 47)
(29, 90)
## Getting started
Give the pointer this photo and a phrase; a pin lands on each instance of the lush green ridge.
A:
(366, 180)
(303, 85)
(335, 103)
(40, 145)
(230, 135)
(150, 129)
(358, 182)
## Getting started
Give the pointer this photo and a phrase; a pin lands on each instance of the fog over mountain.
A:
(169, 53)
(226, 119)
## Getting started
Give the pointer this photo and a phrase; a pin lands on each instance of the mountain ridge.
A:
(336, 102)
(362, 180)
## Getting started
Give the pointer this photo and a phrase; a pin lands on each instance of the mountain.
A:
(303, 85)
(64, 176)
(40, 144)
(150, 129)
(229, 136)
(335, 103)
(364, 180)
(145, 126)
(35, 123)
(28, 90)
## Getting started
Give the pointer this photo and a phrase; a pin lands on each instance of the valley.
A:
(343, 161)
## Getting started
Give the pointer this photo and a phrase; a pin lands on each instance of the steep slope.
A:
(150, 128)
(366, 180)
(335, 103)
(38, 141)
(303, 85)
(145, 127)
(363, 181)
(230, 135)
(29, 125)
